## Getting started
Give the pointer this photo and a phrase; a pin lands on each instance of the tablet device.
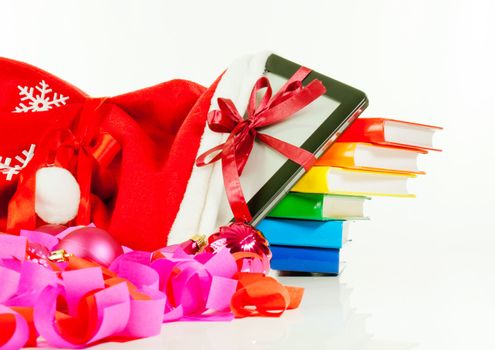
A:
(268, 175)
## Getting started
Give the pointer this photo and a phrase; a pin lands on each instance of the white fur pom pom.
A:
(57, 195)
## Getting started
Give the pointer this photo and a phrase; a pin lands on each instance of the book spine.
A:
(305, 259)
(339, 154)
(314, 181)
(307, 206)
(365, 130)
(304, 233)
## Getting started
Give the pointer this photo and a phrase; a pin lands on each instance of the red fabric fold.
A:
(131, 154)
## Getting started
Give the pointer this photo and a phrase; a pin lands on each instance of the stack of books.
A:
(373, 157)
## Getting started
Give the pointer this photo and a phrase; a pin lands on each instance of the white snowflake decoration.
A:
(39, 101)
(10, 170)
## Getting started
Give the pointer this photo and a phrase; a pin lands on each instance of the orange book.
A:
(391, 132)
(365, 156)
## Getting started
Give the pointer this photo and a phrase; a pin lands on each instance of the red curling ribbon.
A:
(85, 135)
(21, 208)
(78, 149)
(234, 153)
(260, 295)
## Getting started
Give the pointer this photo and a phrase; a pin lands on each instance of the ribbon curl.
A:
(77, 302)
(234, 153)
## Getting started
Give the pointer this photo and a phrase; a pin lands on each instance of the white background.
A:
(422, 268)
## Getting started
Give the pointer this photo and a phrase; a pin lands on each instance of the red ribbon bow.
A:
(234, 153)
(79, 151)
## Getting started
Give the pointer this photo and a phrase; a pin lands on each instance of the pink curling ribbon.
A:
(99, 304)
(132, 299)
(14, 330)
(76, 303)
(234, 153)
(198, 287)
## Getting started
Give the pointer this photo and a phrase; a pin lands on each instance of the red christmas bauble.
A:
(91, 243)
(37, 253)
(239, 237)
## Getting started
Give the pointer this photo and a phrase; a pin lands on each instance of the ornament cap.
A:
(59, 255)
(200, 241)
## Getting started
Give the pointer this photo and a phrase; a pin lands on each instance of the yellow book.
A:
(333, 180)
(365, 156)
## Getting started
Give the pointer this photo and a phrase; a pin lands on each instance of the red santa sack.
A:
(131, 155)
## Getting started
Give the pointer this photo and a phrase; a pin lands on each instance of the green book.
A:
(312, 206)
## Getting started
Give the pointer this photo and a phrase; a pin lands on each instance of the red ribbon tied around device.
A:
(234, 153)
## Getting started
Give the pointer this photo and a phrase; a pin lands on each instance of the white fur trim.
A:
(57, 195)
(199, 208)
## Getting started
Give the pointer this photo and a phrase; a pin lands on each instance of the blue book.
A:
(304, 233)
(303, 259)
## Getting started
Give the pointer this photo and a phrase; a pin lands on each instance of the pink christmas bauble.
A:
(91, 243)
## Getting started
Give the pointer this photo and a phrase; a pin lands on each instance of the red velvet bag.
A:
(132, 154)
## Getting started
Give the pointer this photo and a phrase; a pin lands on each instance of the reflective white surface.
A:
(325, 320)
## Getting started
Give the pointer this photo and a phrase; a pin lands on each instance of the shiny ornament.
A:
(239, 237)
(37, 253)
(52, 229)
(57, 195)
(91, 243)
